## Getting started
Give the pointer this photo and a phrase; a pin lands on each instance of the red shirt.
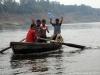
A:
(31, 36)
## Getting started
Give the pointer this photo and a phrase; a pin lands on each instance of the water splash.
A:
(93, 48)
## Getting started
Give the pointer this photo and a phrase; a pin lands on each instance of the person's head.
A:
(38, 22)
(33, 26)
(43, 21)
(57, 20)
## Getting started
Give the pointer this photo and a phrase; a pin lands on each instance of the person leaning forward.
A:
(31, 35)
(57, 28)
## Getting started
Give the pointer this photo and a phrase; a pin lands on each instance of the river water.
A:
(69, 61)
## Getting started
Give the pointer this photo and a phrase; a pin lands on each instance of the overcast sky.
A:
(92, 3)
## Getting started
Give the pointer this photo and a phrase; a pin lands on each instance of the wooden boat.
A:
(27, 48)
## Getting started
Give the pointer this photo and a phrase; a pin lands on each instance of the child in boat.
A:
(42, 29)
(31, 35)
(57, 28)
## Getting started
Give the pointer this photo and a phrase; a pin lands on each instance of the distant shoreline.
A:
(25, 19)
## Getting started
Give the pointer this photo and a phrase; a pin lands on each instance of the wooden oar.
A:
(9, 47)
(73, 45)
(67, 44)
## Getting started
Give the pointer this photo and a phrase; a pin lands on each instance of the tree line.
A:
(40, 6)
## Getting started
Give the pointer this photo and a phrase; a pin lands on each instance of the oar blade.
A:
(73, 45)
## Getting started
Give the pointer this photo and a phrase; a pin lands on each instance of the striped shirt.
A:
(57, 28)
(37, 31)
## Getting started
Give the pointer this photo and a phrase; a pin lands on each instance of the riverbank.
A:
(25, 19)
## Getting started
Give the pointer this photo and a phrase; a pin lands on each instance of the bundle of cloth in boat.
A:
(56, 37)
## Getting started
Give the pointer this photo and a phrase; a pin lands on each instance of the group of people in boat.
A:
(38, 30)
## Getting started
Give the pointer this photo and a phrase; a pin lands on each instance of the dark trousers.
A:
(43, 41)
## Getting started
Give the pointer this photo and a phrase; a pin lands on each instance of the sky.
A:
(92, 3)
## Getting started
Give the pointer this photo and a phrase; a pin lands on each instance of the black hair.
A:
(57, 19)
(32, 25)
(43, 20)
(38, 21)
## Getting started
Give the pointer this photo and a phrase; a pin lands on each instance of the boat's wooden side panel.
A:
(25, 48)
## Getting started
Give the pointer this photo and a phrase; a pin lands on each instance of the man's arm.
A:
(47, 30)
(35, 36)
(39, 30)
(33, 21)
(61, 20)
(51, 21)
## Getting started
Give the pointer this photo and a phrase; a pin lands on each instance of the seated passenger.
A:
(31, 35)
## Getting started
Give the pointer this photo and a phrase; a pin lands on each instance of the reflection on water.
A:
(34, 62)
(43, 62)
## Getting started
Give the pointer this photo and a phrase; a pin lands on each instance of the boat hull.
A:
(29, 48)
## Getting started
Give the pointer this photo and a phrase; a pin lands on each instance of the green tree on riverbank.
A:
(25, 10)
(40, 6)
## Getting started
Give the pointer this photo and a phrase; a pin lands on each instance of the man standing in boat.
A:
(31, 35)
(57, 28)
(42, 29)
